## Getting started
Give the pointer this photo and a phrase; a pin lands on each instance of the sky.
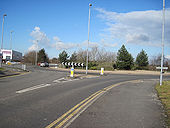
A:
(58, 25)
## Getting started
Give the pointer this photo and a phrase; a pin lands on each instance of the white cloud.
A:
(33, 47)
(59, 45)
(138, 27)
(167, 56)
(39, 39)
(91, 44)
(105, 44)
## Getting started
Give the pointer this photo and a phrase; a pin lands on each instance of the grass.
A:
(164, 95)
(1, 69)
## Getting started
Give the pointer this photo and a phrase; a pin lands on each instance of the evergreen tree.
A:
(142, 59)
(42, 56)
(124, 59)
(63, 56)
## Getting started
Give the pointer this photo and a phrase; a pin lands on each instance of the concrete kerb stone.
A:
(7, 73)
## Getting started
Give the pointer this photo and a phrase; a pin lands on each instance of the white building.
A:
(11, 55)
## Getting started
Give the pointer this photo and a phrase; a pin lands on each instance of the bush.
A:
(92, 64)
(93, 68)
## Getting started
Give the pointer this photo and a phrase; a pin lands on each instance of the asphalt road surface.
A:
(48, 98)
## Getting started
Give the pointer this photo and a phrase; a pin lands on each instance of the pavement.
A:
(10, 72)
(130, 105)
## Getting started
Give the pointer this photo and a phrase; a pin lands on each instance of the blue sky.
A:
(62, 25)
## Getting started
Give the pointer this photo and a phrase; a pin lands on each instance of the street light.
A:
(88, 39)
(3, 30)
(36, 54)
(11, 39)
(163, 27)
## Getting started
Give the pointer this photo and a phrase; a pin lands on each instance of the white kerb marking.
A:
(33, 88)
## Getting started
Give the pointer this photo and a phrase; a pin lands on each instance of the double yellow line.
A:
(61, 121)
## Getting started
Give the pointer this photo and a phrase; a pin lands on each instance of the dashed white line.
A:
(33, 88)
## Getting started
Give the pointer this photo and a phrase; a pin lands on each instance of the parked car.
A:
(44, 64)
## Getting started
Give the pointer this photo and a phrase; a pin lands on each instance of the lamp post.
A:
(88, 39)
(163, 27)
(3, 30)
(11, 39)
(36, 53)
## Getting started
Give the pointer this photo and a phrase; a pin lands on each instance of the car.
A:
(44, 64)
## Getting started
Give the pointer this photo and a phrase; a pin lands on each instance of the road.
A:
(38, 98)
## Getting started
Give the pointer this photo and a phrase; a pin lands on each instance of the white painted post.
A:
(72, 72)
(102, 71)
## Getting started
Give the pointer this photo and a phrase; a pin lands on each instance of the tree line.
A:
(30, 57)
(98, 58)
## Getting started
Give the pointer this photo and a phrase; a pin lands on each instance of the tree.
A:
(42, 56)
(54, 60)
(81, 56)
(29, 57)
(124, 59)
(73, 57)
(63, 56)
(142, 59)
(93, 54)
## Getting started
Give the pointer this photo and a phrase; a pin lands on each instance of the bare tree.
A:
(29, 57)
(104, 56)
(94, 53)
(156, 60)
(81, 55)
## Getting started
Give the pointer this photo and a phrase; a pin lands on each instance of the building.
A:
(11, 55)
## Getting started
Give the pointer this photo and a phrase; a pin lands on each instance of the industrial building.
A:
(11, 55)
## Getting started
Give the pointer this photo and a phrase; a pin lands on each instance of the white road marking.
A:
(63, 80)
(33, 88)
(58, 80)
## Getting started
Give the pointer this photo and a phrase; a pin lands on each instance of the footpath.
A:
(130, 105)
(10, 72)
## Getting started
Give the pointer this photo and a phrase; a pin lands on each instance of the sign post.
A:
(161, 68)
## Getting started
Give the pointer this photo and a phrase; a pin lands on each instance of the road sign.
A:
(79, 64)
(75, 64)
(82, 64)
(62, 63)
(65, 63)
(68, 63)
(162, 68)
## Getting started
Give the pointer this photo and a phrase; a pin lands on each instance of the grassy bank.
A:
(164, 95)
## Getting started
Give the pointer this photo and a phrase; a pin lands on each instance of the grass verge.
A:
(164, 96)
(1, 69)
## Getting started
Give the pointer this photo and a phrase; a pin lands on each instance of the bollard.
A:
(24, 67)
(102, 71)
(72, 72)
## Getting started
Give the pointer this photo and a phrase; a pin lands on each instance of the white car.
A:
(45, 64)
